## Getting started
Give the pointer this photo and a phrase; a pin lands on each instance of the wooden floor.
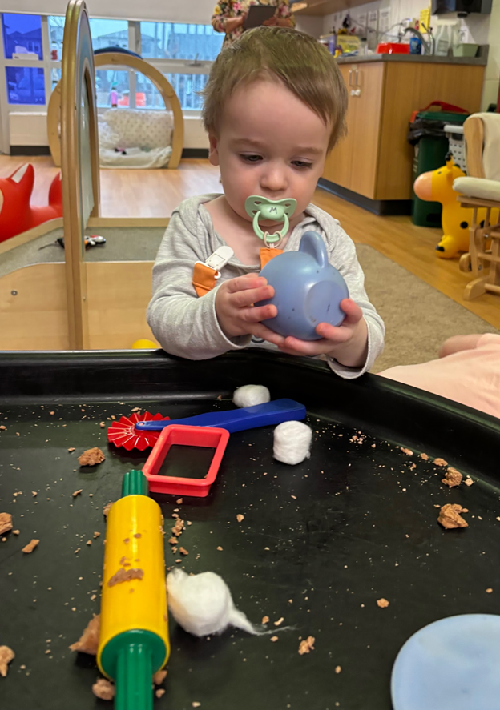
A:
(155, 193)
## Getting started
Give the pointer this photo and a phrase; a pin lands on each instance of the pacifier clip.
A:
(206, 274)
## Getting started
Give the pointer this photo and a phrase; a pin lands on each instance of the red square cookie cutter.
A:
(179, 434)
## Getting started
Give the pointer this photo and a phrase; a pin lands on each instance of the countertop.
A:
(419, 58)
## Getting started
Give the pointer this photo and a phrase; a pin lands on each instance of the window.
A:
(22, 34)
(25, 85)
(175, 40)
(105, 33)
(112, 83)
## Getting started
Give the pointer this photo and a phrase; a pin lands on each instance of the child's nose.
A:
(274, 179)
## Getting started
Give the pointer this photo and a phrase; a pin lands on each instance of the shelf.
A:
(320, 8)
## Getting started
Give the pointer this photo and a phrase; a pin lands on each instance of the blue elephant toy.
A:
(308, 290)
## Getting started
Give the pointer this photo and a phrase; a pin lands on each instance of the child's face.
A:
(270, 144)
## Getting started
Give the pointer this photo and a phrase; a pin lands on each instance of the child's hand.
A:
(347, 343)
(236, 313)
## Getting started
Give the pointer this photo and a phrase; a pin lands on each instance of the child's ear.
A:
(213, 152)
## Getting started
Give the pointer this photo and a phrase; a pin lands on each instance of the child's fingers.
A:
(352, 311)
(261, 331)
(332, 333)
(307, 347)
(244, 283)
(244, 299)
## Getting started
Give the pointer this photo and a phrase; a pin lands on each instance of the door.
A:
(338, 162)
(366, 100)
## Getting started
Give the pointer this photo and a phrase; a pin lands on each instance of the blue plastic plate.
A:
(452, 664)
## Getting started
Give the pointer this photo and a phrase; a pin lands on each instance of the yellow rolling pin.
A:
(133, 639)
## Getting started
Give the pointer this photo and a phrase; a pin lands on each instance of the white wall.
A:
(196, 11)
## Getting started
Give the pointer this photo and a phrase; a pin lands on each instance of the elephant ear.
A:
(312, 244)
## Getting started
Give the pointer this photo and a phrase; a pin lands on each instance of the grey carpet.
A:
(417, 317)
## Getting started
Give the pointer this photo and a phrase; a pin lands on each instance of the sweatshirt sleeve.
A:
(184, 324)
(345, 260)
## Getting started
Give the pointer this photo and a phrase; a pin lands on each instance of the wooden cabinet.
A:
(374, 160)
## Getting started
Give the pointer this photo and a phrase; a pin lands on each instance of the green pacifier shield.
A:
(260, 208)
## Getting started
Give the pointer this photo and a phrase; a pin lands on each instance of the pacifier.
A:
(261, 208)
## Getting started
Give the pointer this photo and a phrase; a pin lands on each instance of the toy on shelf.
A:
(180, 435)
(437, 186)
(133, 637)
(308, 290)
(16, 213)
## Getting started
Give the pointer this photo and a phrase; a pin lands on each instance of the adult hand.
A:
(236, 313)
(347, 343)
(271, 22)
(232, 23)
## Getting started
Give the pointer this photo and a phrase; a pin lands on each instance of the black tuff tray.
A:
(319, 544)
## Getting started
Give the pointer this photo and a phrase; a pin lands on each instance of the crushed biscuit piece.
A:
(489, 590)
(71, 449)
(106, 509)
(89, 542)
(89, 640)
(452, 477)
(179, 501)
(91, 457)
(77, 493)
(406, 451)
(5, 523)
(424, 457)
(469, 481)
(137, 535)
(136, 409)
(173, 541)
(338, 669)
(220, 548)
(382, 603)
(195, 704)
(30, 546)
(159, 677)
(274, 638)
(306, 645)
(15, 532)
(240, 517)
(96, 534)
(189, 522)
(279, 622)
(125, 575)
(265, 620)
(183, 551)
(449, 516)
(3, 428)
(159, 692)
(103, 689)
(77, 550)
(440, 462)
(6, 656)
(102, 425)
(34, 494)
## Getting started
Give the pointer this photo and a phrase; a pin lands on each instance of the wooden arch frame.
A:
(119, 59)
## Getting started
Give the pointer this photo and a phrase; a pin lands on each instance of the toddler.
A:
(275, 105)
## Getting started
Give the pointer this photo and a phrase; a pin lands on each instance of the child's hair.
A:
(295, 59)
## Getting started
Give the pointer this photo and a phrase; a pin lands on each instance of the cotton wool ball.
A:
(202, 604)
(292, 442)
(250, 395)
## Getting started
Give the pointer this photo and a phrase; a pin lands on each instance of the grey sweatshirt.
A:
(187, 326)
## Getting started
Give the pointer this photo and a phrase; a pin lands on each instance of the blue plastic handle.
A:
(276, 412)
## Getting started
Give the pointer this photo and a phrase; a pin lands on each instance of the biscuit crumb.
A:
(103, 689)
(77, 493)
(265, 620)
(125, 575)
(89, 640)
(440, 462)
(452, 477)
(338, 669)
(195, 704)
(424, 457)
(220, 548)
(159, 677)
(6, 656)
(96, 534)
(91, 457)
(159, 692)
(468, 481)
(306, 645)
(489, 590)
(279, 622)
(274, 638)
(239, 518)
(449, 516)
(5, 523)
(179, 501)
(71, 449)
(406, 451)
(183, 551)
(30, 546)
(382, 603)
(106, 509)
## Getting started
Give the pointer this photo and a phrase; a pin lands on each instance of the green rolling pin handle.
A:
(277, 210)
(134, 483)
(133, 678)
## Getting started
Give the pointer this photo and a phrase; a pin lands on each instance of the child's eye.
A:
(250, 158)
(301, 164)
